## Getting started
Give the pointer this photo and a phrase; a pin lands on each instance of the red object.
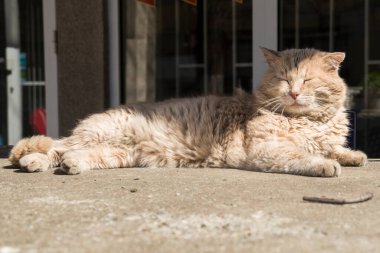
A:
(148, 2)
(193, 2)
(38, 120)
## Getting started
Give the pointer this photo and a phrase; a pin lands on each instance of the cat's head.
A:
(302, 82)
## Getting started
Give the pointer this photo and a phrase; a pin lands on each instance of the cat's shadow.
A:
(10, 167)
(13, 167)
(59, 172)
(16, 169)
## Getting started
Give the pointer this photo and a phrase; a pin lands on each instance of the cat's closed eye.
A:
(307, 80)
(282, 79)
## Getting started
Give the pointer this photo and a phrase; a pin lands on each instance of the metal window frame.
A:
(114, 65)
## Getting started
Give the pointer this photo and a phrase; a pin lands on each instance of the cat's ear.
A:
(334, 59)
(271, 56)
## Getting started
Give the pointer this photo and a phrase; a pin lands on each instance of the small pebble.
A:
(133, 190)
(136, 178)
(163, 224)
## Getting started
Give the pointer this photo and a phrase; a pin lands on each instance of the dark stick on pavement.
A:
(339, 201)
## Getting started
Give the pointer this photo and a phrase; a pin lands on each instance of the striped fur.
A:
(295, 123)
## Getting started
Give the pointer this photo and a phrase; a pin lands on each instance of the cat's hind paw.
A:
(18, 151)
(35, 144)
(34, 162)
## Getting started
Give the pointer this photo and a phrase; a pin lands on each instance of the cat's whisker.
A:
(269, 104)
(279, 106)
(272, 109)
(275, 107)
(272, 100)
(323, 100)
(282, 113)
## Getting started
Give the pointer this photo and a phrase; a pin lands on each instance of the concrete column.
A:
(82, 61)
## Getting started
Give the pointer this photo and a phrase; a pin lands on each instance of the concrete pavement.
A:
(186, 210)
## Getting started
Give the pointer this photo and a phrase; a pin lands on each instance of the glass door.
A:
(189, 47)
(22, 87)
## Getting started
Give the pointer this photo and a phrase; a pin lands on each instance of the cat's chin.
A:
(295, 108)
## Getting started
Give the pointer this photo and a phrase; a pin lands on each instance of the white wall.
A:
(264, 34)
(51, 82)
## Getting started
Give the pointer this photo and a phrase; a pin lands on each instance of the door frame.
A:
(3, 78)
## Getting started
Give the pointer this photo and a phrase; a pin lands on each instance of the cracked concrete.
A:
(186, 210)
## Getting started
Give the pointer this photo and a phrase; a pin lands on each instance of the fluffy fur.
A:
(295, 123)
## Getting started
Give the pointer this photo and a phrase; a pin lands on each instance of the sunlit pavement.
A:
(186, 210)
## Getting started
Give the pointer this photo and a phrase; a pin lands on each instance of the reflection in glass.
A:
(333, 25)
(374, 29)
(191, 80)
(190, 35)
(244, 78)
(243, 31)
(314, 24)
(349, 38)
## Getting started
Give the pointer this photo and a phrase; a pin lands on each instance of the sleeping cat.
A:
(295, 123)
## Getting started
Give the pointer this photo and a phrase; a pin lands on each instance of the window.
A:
(22, 86)
(352, 27)
(186, 48)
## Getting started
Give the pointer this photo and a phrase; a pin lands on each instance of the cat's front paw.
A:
(324, 168)
(353, 158)
(71, 164)
(34, 162)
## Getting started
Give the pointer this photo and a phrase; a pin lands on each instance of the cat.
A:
(295, 122)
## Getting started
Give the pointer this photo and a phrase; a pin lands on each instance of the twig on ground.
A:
(339, 201)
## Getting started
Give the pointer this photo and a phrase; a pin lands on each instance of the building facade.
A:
(80, 57)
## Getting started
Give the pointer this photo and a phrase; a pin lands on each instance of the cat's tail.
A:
(36, 144)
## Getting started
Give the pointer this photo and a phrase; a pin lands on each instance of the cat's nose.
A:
(294, 94)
